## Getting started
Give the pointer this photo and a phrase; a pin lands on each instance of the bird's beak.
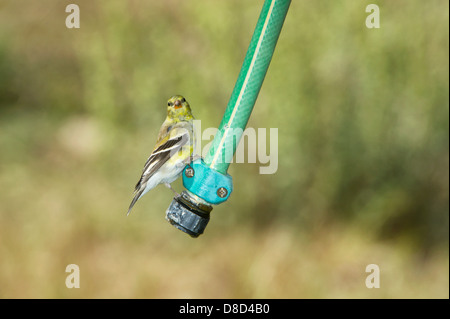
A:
(177, 104)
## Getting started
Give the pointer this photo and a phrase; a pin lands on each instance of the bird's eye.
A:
(169, 104)
(183, 100)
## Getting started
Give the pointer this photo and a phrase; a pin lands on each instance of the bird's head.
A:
(178, 109)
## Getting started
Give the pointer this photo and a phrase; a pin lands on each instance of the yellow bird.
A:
(173, 149)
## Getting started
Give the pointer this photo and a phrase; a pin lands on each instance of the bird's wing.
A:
(163, 150)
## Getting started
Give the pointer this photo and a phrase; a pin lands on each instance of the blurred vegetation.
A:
(363, 174)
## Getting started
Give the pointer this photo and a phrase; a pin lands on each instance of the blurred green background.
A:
(363, 174)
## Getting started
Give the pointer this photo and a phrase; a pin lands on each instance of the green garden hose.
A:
(248, 84)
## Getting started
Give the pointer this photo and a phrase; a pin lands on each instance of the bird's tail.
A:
(137, 195)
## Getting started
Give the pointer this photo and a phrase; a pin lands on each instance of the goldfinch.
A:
(173, 149)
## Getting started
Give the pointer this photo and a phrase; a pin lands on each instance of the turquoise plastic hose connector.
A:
(210, 185)
(207, 182)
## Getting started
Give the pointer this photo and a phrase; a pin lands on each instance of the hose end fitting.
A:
(188, 214)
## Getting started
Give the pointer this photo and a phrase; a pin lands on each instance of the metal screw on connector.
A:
(189, 172)
(222, 192)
